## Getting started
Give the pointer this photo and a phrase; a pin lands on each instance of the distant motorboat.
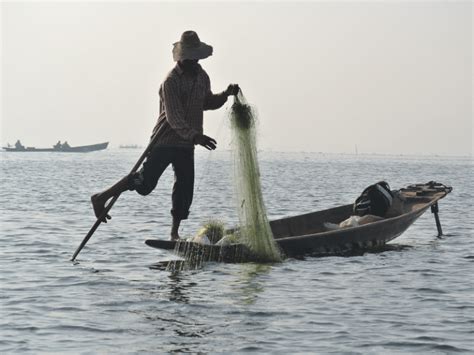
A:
(130, 146)
(60, 148)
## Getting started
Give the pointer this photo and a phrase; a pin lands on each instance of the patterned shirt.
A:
(183, 98)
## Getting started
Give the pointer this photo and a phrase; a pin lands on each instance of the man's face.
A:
(189, 64)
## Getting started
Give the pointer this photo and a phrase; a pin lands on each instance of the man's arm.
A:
(215, 101)
(175, 112)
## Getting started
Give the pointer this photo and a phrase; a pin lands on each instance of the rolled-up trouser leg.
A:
(144, 181)
(182, 197)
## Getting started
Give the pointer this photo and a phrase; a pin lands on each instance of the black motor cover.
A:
(375, 199)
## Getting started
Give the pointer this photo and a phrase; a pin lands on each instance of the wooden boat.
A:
(62, 149)
(307, 234)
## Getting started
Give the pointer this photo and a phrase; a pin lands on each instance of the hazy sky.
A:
(389, 77)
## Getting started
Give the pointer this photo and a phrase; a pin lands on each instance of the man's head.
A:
(190, 47)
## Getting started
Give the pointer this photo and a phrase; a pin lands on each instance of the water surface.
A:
(416, 296)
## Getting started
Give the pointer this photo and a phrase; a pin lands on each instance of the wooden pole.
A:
(115, 198)
(435, 210)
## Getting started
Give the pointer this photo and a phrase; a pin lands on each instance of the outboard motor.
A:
(375, 199)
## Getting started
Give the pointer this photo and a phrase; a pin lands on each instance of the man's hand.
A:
(232, 89)
(207, 142)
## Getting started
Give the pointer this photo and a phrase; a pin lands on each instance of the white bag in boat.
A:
(201, 239)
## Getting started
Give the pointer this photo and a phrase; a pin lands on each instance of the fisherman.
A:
(57, 146)
(184, 95)
(65, 145)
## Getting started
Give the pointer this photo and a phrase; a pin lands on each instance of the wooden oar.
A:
(115, 198)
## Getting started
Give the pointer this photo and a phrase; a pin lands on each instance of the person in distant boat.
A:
(65, 145)
(19, 146)
(57, 145)
(184, 95)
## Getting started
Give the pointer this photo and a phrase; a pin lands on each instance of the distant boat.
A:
(60, 148)
(131, 146)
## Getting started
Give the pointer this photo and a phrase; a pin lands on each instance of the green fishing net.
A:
(254, 229)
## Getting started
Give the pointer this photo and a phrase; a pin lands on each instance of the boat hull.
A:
(348, 240)
(307, 234)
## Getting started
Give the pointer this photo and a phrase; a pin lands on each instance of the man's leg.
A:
(183, 189)
(100, 199)
(144, 181)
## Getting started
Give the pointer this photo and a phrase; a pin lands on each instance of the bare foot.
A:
(99, 206)
(175, 228)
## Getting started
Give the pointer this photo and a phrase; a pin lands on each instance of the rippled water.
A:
(417, 296)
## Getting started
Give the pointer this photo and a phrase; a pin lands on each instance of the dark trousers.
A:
(182, 159)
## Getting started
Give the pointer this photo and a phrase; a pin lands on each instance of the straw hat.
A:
(190, 47)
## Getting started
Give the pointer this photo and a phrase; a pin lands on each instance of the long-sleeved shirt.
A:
(183, 98)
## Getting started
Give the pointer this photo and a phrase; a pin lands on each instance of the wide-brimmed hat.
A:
(190, 47)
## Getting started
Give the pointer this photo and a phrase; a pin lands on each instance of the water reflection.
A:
(175, 287)
(178, 289)
(174, 315)
(385, 248)
(250, 283)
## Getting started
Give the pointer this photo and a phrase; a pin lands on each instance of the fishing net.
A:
(211, 243)
(253, 239)
(193, 250)
(254, 229)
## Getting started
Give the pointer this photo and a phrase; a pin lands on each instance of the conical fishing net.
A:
(254, 229)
